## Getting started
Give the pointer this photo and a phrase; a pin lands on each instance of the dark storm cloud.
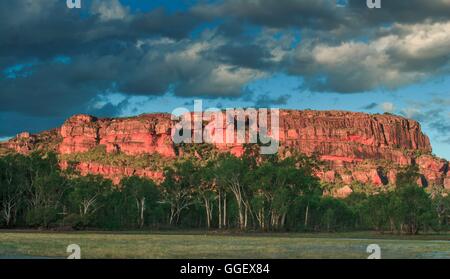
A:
(101, 49)
(107, 109)
(14, 123)
(250, 56)
(176, 25)
(318, 14)
(266, 100)
(111, 49)
(362, 40)
(410, 11)
(54, 88)
(370, 106)
(325, 14)
(46, 27)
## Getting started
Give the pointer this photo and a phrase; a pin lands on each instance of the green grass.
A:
(220, 245)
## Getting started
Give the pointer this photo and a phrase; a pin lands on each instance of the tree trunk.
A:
(220, 210)
(142, 209)
(283, 220)
(241, 216)
(225, 223)
(172, 215)
(208, 212)
(245, 216)
(306, 215)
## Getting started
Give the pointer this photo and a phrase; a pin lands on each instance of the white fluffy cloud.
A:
(402, 55)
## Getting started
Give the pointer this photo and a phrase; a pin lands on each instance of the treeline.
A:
(249, 193)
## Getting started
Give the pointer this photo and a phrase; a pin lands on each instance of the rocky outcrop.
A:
(343, 192)
(25, 142)
(133, 136)
(346, 137)
(433, 170)
(355, 147)
(447, 182)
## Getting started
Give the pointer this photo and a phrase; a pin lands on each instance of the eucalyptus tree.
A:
(145, 194)
(178, 188)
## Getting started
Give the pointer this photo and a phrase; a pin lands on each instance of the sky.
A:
(116, 58)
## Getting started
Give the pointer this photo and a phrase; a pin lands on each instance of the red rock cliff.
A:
(132, 136)
(355, 146)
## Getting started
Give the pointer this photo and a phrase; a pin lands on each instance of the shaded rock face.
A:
(355, 147)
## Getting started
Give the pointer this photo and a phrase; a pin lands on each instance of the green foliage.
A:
(265, 193)
(119, 159)
(88, 194)
(408, 176)
(142, 196)
(178, 188)
(413, 208)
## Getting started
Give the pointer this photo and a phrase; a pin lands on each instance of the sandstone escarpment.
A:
(345, 137)
(132, 136)
(355, 147)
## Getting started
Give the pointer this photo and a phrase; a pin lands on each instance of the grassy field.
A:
(26, 244)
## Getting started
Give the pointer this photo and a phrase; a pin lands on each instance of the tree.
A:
(414, 208)
(12, 187)
(441, 204)
(377, 211)
(335, 214)
(178, 188)
(88, 195)
(45, 188)
(206, 190)
(232, 173)
(144, 192)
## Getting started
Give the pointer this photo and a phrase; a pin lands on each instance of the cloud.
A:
(411, 11)
(109, 10)
(47, 27)
(266, 100)
(387, 107)
(182, 67)
(370, 106)
(14, 123)
(326, 17)
(403, 55)
(318, 14)
(55, 62)
(433, 114)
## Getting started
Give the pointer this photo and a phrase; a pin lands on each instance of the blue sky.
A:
(121, 58)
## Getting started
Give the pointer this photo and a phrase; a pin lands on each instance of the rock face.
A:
(132, 136)
(344, 137)
(355, 147)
